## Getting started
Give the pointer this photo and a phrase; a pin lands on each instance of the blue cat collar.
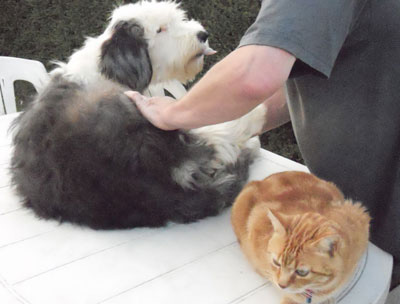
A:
(308, 294)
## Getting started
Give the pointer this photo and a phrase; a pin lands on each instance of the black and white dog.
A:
(83, 153)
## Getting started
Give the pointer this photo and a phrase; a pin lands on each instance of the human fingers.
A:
(136, 97)
(153, 109)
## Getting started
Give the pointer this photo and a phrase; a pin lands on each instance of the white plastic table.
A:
(42, 262)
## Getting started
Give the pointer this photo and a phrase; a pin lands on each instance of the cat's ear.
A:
(276, 223)
(328, 244)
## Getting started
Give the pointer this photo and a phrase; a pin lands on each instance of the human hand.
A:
(154, 109)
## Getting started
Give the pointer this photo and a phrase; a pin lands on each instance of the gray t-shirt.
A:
(344, 97)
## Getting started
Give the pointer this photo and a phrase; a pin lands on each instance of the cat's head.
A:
(303, 252)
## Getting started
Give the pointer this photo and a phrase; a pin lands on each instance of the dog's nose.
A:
(202, 36)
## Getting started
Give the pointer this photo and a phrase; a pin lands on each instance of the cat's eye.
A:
(276, 263)
(302, 272)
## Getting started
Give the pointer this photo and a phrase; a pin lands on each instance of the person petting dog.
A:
(83, 153)
(332, 68)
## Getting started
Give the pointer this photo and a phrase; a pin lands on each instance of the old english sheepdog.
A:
(83, 153)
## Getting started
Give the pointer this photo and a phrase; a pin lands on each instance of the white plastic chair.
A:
(12, 69)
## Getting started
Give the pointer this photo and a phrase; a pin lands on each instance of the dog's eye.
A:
(161, 29)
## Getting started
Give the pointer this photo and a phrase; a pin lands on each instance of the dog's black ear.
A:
(125, 57)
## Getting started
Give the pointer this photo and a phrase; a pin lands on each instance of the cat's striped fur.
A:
(301, 233)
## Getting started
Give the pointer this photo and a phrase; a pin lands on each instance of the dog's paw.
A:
(254, 145)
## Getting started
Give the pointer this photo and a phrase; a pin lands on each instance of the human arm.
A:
(278, 112)
(231, 88)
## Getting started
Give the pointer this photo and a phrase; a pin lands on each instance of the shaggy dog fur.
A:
(83, 153)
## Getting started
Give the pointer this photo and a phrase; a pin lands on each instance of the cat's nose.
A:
(282, 286)
(202, 36)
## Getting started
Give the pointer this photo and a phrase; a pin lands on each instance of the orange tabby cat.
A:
(299, 232)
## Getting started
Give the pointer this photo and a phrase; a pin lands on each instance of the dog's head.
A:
(152, 42)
